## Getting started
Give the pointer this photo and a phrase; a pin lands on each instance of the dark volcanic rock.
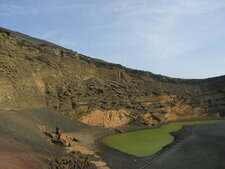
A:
(60, 138)
(35, 73)
(73, 160)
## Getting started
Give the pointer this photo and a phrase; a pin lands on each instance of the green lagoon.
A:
(147, 142)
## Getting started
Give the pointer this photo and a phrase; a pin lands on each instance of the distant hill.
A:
(38, 74)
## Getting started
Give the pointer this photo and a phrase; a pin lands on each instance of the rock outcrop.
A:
(151, 119)
(107, 119)
(73, 160)
(35, 73)
(60, 138)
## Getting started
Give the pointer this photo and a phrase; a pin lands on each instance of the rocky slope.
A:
(38, 74)
(30, 139)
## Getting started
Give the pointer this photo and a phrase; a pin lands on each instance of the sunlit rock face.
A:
(36, 73)
(108, 118)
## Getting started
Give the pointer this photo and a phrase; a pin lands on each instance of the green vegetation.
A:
(147, 142)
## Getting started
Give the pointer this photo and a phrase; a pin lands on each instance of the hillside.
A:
(38, 74)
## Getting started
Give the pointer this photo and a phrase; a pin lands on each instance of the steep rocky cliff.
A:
(35, 73)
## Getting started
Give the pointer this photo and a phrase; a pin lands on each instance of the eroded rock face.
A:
(35, 73)
(107, 119)
(151, 119)
(73, 160)
(60, 138)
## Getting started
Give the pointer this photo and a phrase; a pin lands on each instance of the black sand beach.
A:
(196, 146)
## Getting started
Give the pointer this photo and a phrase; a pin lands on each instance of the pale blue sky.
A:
(176, 38)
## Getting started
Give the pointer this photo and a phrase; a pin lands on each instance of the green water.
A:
(143, 143)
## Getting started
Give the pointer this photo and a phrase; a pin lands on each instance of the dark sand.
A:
(14, 155)
(204, 149)
(196, 147)
(24, 146)
(24, 127)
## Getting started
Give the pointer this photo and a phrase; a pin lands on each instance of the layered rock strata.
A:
(35, 73)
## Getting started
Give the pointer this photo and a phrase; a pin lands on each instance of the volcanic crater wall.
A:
(35, 73)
